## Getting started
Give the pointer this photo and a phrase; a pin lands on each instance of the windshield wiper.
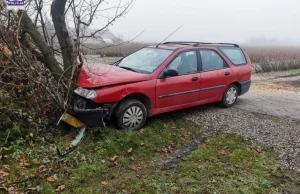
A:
(128, 68)
(116, 63)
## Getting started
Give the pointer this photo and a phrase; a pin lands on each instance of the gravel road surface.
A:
(269, 114)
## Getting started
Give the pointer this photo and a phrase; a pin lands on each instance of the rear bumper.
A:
(245, 86)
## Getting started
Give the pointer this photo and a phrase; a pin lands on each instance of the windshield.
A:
(145, 60)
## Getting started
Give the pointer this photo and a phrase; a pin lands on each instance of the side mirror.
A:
(170, 73)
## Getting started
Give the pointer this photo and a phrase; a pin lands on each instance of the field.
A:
(264, 59)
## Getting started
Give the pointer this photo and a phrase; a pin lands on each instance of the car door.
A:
(180, 89)
(215, 74)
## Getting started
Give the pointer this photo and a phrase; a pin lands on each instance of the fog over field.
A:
(273, 22)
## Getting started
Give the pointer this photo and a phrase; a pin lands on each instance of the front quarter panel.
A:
(112, 94)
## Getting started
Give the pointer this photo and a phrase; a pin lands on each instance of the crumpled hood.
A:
(97, 75)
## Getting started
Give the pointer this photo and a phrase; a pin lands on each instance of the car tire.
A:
(131, 114)
(230, 96)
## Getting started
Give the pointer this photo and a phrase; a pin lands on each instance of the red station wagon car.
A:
(158, 79)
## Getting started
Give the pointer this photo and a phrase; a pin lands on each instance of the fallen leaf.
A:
(3, 173)
(112, 159)
(143, 143)
(11, 190)
(24, 173)
(55, 177)
(104, 182)
(130, 150)
(164, 149)
(83, 157)
(60, 188)
(23, 162)
(68, 147)
(7, 167)
(141, 131)
(4, 148)
(51, 179)
(42, 168)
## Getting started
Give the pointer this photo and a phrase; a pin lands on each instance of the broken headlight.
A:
(86, 93)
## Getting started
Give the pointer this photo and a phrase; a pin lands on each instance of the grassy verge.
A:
(225, 164)
(112, 161)
(105, 154)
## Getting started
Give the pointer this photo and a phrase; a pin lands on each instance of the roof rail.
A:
(197, 43)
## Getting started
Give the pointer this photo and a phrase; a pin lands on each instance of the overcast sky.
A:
(210, 20)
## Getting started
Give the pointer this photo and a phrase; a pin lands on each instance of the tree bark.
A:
(49, 60)
(59, 22)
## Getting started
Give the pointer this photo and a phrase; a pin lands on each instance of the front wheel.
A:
(131, 114)
(230, 96)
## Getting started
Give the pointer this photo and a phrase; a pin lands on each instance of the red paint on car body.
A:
(165, 94)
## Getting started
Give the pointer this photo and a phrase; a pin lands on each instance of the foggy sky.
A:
(210, 20)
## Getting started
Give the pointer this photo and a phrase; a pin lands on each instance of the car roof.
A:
(188, 44)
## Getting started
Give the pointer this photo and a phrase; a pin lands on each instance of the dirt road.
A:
(269, 114)
(273, 95)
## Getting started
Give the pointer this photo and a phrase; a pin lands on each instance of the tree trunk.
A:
(59, 21)
(49, 60)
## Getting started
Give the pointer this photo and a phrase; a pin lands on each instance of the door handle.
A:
(195, 79)
(227, 73)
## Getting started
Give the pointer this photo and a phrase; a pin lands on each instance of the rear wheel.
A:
(131, 114)
(230, 96)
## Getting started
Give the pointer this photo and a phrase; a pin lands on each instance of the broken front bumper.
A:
(90, 113)
(90, 117)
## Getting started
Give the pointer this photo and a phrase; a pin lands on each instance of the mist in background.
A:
(256, 22)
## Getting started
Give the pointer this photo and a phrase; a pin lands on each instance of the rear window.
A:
(235, 55)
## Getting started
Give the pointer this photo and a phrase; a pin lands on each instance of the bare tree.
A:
(32, 71)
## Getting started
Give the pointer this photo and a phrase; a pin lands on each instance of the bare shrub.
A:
(34, 83)
(112, 50)
(266, 59)
(28, 92)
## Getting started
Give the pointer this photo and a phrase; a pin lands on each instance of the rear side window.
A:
(211, 60)
(235, 55)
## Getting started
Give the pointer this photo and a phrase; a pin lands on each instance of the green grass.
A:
(89, 163)
(224, 164)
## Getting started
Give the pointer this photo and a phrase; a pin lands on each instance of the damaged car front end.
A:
(90, 113)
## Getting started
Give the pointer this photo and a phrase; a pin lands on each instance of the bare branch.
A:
(108, 24)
